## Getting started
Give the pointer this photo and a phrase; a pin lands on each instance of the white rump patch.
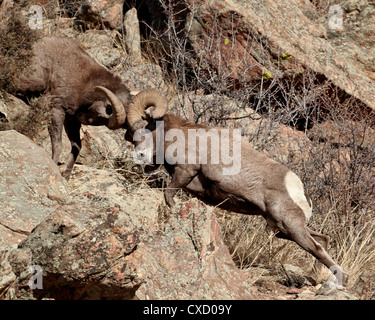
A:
(295, 190)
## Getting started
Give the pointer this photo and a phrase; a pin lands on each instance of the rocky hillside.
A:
(300, 90)
(96, 237)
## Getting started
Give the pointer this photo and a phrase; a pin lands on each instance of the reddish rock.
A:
(248, 40)
(197, 264)
(89, 255)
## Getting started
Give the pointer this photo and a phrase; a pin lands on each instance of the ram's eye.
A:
(108, 109)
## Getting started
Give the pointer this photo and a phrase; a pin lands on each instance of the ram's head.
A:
(112, 113)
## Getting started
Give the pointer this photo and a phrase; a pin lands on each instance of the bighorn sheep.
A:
(260, 186)
(82, 92)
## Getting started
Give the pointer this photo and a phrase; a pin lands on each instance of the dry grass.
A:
(251, 243)
(353, 245)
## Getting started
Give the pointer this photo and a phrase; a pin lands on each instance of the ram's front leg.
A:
(55, 131)
(72, 128)
(181, 177)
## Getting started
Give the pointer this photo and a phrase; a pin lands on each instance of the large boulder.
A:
(87, 254)
(190, 260)
(99, 44)
(108, 240)
(30, 186)
(14, 113)
(144, 76)
(283, 38)
(132, 37)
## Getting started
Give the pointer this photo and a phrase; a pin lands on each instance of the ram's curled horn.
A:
(150, 98)
(118, 117)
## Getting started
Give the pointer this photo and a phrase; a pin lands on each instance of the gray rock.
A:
(99, 45)
(293, 276)
(102, 12)
(132, 37)
(144, 76)
(30, 186)
(14, 113)
(329, 292)
(345, 57)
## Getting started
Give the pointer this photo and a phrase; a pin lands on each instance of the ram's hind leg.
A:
(318, 268)
(312, 241)
(304, 239)
(319, 237)
(292, 226)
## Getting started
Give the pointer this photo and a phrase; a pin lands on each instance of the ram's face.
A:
(97, 114)
(144, 145)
